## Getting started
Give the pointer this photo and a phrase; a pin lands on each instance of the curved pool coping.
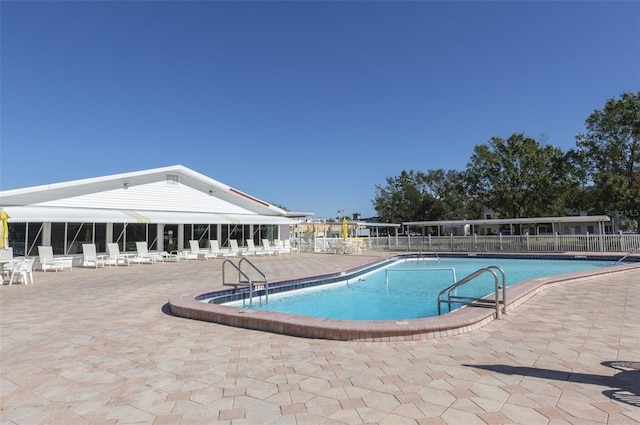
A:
(463, 320)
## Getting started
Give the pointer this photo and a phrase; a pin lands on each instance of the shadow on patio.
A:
(624, 385)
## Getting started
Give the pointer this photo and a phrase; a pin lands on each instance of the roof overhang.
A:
(67, 215)
(369, 224)
(30, 214)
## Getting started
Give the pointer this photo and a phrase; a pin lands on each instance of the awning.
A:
(30, 214)
(174, 217)
(168, 217)
(258, 219)
(67, 215)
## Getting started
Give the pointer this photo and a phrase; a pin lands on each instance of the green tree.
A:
(611, 156)
(578, 198)
(451, 189)
(520, 177)
(407, 197)
(434, 195)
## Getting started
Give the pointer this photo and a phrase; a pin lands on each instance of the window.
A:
(269, 231)
(77, 234)
(152, 236)
(201, 234)
(18, 238)
(58, 233)
(135, 233)
(119, 234)
(34, 238)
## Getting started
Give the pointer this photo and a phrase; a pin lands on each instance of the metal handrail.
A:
(248, 282)
(627, 254)
(504, 287)
(257, 270)
(477, 301)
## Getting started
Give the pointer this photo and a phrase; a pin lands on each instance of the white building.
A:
(166, 207)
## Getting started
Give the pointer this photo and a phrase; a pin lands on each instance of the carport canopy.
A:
(600, 219)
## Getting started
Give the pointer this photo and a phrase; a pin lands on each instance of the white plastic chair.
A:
(90, 257)
(232, 251)
(214, 249)
(144, 256)
(195, 251)
(47, 262)
(288, 248)
(114, 255)
(252, 249)
(22, 269)
(266, 246)
(7, 268)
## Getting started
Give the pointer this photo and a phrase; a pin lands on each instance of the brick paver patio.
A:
(97, 346)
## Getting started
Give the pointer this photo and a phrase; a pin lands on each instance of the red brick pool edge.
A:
(460, 321)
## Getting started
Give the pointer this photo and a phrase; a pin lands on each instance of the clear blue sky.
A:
(309, 105)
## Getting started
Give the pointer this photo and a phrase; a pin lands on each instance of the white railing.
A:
(619, 243)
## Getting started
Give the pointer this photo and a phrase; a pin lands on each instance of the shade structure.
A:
(345, 229)
(4, 229)
(44, 214)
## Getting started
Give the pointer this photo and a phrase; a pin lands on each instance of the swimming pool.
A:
(408, 289)
(206, 305)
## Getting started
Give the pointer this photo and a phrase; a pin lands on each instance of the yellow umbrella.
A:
(345, 229)
(4, 233)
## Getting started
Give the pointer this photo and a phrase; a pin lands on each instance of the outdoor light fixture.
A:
(126, 185)
(210, 192)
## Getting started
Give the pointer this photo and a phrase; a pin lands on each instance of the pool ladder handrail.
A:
(247, 282)
(479, 302)
(627, 254)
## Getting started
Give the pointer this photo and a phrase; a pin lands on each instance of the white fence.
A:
(524, 243)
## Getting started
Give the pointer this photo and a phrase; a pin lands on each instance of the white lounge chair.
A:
(278, 245)
(90, 257)
(214, 249)
(253, 249)
(288, 248)
(48, 262)
(195, 251)
(244, 251)
(144, 256)
(115, 257)
(266, 246)
(234, 249)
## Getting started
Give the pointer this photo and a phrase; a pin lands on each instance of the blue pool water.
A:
(405, 292)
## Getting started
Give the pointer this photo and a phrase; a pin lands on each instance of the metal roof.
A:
(498, 221)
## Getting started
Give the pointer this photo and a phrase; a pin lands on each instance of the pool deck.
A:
(100, 346)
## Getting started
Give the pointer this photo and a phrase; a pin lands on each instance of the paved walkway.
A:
(97, 346)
